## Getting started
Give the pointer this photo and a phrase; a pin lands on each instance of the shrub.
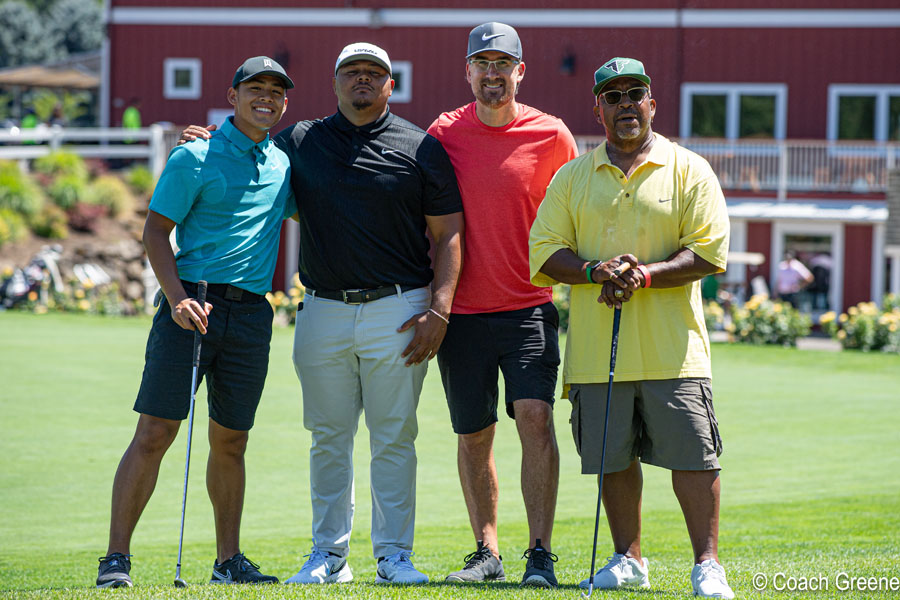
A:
(62, 163)
(890, 302)
(865, 327)
(141, 180)
(713, 315)
(111, 192)
(284, 306)
(561, 301)
(12, 226)
(51, 223)
(18, 192)
(85, 217)
(762, 321)
(67, 190)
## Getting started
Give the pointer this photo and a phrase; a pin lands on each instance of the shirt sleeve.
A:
(566, 146)
(179, 185)
(553, 228)
(704, 225)
(441, 189)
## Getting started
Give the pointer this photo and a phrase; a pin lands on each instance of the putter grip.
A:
(201, 298)
(617, 316)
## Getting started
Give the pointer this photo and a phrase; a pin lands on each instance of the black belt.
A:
(232, 293)
(360, 296)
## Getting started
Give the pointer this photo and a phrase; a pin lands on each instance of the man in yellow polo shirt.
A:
(641, 199)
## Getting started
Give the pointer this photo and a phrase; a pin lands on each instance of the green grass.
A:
(810, 480)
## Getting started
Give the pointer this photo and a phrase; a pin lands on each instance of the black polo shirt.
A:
(363, 193)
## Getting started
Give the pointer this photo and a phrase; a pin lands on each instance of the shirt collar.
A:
(659, 153)
(376, 126)
(241, 144)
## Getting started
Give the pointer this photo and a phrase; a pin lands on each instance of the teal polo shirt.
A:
(228, 197)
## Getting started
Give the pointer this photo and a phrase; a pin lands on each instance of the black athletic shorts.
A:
(523, 344)
(234, 357)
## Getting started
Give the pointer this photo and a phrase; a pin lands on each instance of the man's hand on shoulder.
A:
(192, 132)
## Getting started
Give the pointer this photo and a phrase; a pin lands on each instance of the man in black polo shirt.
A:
(368, 185)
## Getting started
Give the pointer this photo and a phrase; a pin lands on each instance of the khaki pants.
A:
(348, 360)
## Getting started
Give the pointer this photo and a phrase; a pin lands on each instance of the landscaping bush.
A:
(12, 226)
(85, 217)
(67, 190)
(111, 192)
(890, 302)
(51, 223)
(762, 321)
(18, 192)
(866, 327)
(61, 163)
(285, 305)
(561, 302)
(714, 315)
(141, 180)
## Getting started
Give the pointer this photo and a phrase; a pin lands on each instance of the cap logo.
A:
(485, 37)
(616, 66)
(267, 63)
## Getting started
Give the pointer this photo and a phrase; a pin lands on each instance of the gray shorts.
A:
(669, 423)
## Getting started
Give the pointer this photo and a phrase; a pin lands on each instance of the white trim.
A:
(842, 211)
(733, 93)
(882, 95)
(737, 243)
(404, 94)
(836, 231)
(894, 253)
(170, 65)
(877, 290)
(291, 251)
(105, 88)
(578, 18)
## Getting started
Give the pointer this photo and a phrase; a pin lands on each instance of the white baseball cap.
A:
(362, 50)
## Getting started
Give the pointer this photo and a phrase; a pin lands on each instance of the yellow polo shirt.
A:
(672, 201)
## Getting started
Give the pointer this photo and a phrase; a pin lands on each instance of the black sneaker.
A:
(481, 565)
(239, 569)
(113, 571)
(539, 568)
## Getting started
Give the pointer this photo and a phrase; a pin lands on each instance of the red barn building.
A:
(795, 104)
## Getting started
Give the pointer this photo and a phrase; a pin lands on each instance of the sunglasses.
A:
(503, 65)
(635, 94)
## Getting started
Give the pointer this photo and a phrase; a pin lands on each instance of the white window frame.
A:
(881, 92)
(170, 65)
(733, 93)
(400, 96)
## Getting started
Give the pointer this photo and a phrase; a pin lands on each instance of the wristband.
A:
(590, 267)
(440, 316)
(646, 273)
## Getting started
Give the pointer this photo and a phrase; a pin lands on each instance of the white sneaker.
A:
(323, 567)
(621, 571)
(397, 568)
(708, 579)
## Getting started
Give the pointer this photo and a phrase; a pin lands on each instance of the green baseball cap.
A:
(619, 67)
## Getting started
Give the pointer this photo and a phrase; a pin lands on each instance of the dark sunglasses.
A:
(635, 94)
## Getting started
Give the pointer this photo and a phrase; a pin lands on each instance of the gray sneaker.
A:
(113, 571)
(239, 569)
(481, 565)
(539, 568)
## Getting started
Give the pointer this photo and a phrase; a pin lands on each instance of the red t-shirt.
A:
(503, 173)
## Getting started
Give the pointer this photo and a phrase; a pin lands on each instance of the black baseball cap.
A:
(494, 36)
(260, 65)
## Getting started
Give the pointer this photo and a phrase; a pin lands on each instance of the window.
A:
(401, 71)
(733, 110)
(864, 112)
(181, 78)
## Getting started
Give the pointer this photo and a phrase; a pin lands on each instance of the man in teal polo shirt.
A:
(226, 199)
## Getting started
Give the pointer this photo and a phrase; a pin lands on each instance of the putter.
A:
(617, 316)
(201, 298)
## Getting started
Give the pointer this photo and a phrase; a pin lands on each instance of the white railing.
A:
(151, 143)
(797, 166)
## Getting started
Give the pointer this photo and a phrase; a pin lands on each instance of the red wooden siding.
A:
(759, 239)
(857, 261)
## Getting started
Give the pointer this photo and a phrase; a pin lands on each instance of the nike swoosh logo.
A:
(387, 150)
(485, 37)
(337, 567)
(661, 200)
(226, 578)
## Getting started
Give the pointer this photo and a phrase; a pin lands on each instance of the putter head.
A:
(180, 583)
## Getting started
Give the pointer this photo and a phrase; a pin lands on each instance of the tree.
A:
(23, 37)
(78, 24)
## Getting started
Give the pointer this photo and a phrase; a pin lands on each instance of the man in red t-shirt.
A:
(504, 154)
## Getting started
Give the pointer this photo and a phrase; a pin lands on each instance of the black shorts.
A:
(522, 343)
(234, 357)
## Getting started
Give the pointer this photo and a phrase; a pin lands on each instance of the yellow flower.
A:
(841, 334)
(827, 317)
(84, 305)
(79, 293)
(32, 296)
(853, 310)
(778, 307)
(843, 318)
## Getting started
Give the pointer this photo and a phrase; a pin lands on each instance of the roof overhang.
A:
(861, 211)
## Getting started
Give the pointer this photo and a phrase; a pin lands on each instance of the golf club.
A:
(617, 315)
(201, 298)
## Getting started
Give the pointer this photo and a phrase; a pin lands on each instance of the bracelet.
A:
(590, 267)
(440, 316)
(646, 273)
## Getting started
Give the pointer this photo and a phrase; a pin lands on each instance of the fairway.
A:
(810, 480)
